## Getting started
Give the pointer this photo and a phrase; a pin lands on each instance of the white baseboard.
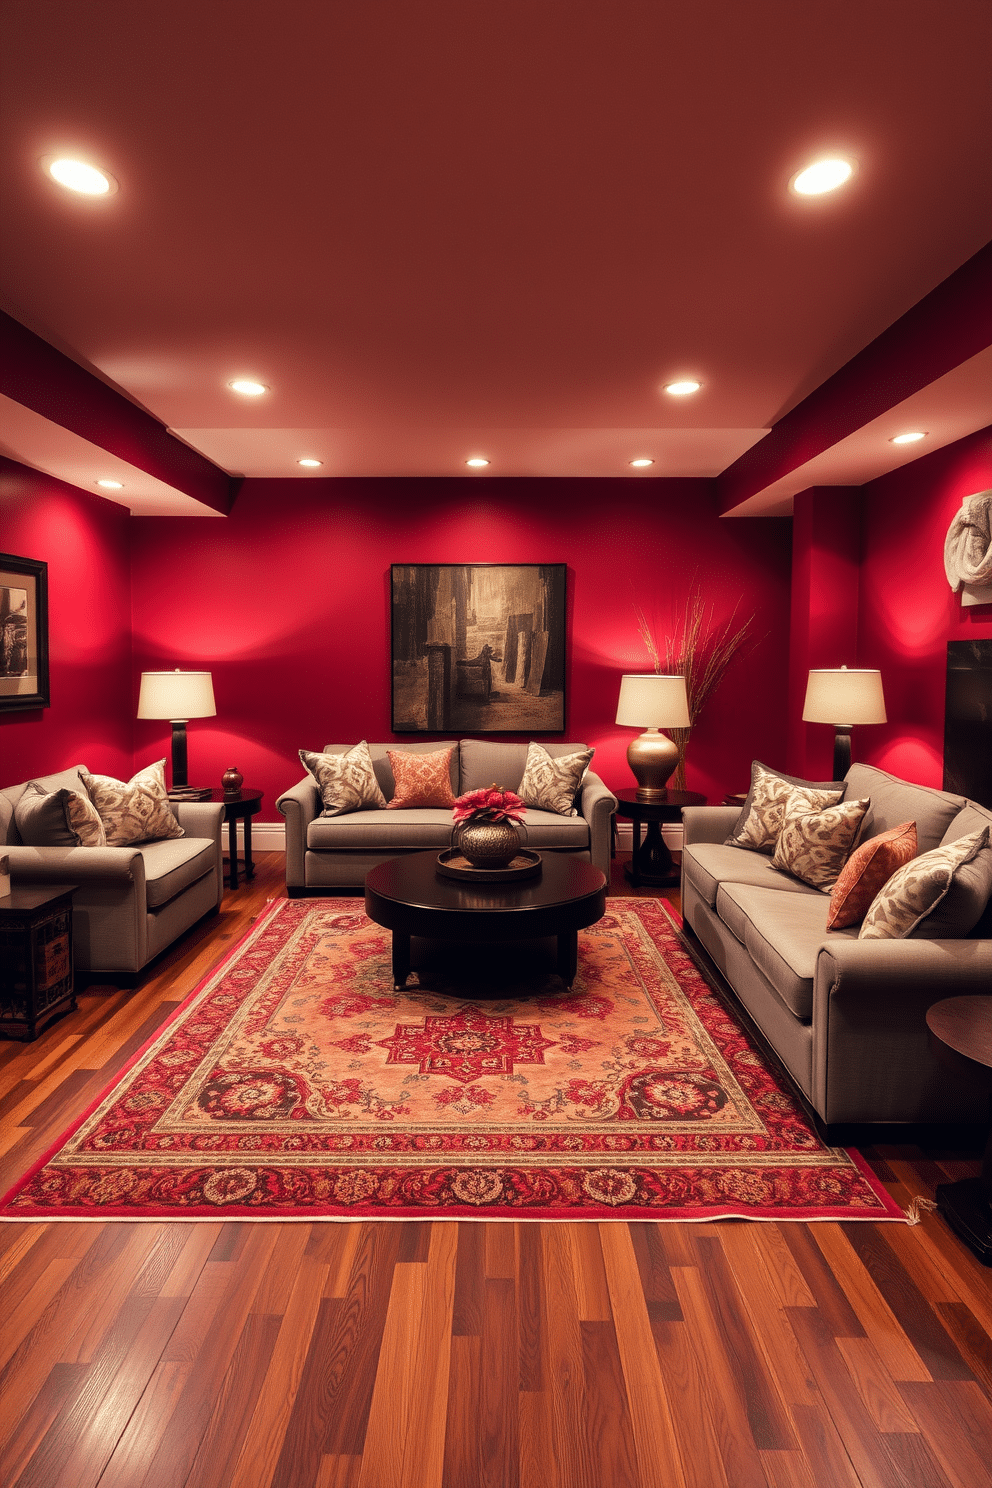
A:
(271, 836)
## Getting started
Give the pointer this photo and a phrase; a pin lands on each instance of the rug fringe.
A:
(918, 1207)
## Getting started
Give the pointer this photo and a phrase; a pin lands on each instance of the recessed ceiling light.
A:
(246, 386)
(76, 175)
(109, 485)
(910, 437)
(640, 464)
(477, 462)
(821, 176)
(310, 464)
(680, 389)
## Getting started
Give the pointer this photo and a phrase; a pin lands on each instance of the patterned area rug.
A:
(294, 1083)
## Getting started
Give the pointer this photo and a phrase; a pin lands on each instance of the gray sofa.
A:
(131, 902)
(845, 1016)
(333, 853)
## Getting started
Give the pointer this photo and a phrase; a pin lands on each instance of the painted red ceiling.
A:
(455, 223)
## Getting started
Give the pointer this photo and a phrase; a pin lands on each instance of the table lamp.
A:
(651, 701)
(178, 696)
(853, 694)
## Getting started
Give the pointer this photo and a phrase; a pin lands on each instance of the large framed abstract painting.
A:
(478, 648)
(23, 633)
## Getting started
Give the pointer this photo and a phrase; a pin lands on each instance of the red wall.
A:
(84, 540)
(286, 601)
(907, 612)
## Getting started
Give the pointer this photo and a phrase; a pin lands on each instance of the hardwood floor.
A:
(465, 1354)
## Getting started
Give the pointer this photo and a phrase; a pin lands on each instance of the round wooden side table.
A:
(960, 1034)
(651, 862)
(240, 806)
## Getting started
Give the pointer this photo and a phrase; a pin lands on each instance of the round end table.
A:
(651, 862)
(960, 1034)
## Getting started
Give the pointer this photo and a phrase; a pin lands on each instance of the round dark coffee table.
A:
(409, 897)
(960, 1036)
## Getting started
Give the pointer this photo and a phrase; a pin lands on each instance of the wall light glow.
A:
(640, 464)
(910, 437)
(682, 389)
(247, 387)
(477, 462)
(309, 464)
(111, 485)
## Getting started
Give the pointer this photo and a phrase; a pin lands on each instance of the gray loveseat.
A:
(132, 902)
(845, 1016)
(333, 853)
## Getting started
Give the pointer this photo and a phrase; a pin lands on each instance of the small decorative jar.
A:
(488, 844)
(232, 780)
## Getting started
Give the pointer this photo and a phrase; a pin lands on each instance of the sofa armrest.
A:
(870, 999)
(596, 805)
(205, 819)
(82, 865)
(708, 823)
(299, 806)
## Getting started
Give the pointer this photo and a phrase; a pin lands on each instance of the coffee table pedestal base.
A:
(566, 962)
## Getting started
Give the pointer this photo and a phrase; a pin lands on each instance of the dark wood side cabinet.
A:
(36, 980)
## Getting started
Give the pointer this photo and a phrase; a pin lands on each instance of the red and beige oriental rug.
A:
(294, 1083)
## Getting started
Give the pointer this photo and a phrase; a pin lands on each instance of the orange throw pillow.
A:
(421, 779)
(866, 871)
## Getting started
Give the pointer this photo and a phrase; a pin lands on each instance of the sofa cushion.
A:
(913, 899)
(783, 934)
(868, 868)
(61, 780)
(894, 801)
(383, 770)
(347, 782)
(417, 830)
(706, 865)
(421, 779)
(553, 784)
(62, 818)
(136, 810)
(170, 867)
(972, 818)
(485, 761)
(760, 822)
(815, 845)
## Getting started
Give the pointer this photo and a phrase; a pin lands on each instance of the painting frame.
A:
(478, 648)
(24, 677)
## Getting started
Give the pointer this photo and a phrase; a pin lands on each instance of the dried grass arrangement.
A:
(699, 651)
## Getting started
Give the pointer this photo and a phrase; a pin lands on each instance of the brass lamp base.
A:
(652, 758)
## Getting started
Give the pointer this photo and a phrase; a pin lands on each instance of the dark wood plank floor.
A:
(720, 1355)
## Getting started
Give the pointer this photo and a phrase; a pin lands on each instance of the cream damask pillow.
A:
(907, 903)
(346, 781)
(136, 810)
(815, 845)
(552, 784)
(760, 821)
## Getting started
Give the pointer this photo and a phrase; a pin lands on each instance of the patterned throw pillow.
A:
(421, 779)
(346, 781)
(552, 784)
(136, 810)
(869, 867)
(907, 903)
(62, 818)
(760, 821)
(815, 845)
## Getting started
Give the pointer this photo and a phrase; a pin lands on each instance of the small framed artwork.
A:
(478, 648)
(23, 633)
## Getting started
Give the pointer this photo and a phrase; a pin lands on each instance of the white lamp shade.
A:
(844, 696)
(648, 700)
(176, 695)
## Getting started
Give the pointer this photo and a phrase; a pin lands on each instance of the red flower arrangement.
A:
(492, 803)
